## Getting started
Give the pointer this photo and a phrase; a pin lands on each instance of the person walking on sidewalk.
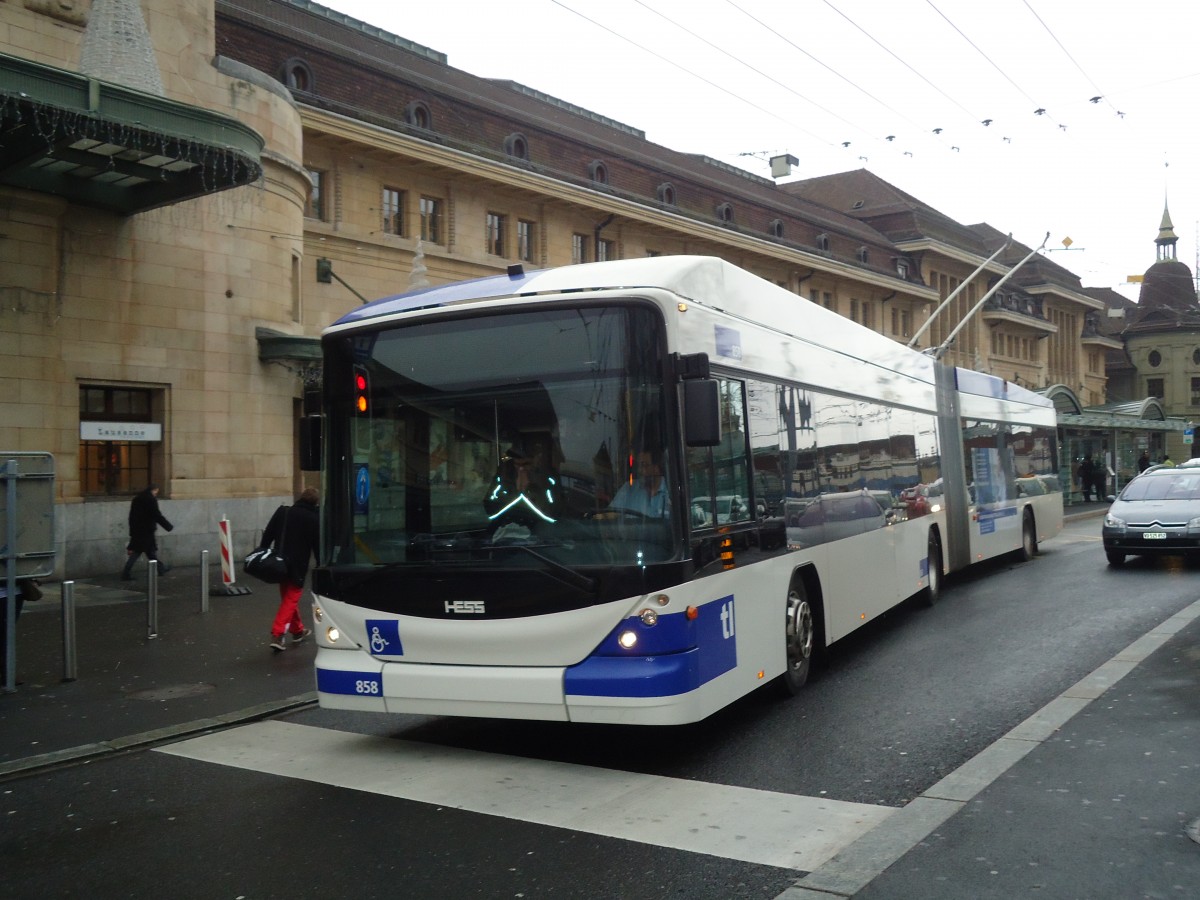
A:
(294, 532)
(144, 519)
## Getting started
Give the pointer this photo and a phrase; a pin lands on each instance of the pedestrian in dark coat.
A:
(144, 519)
(294, 532)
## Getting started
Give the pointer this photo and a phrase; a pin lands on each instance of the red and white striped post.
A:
(228, 571)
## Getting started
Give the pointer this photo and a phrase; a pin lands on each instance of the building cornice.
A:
(949, 251)
(521, 177)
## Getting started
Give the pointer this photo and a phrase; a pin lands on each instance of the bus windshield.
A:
(523, 439)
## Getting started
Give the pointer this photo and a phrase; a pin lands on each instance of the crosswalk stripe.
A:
(783, 830)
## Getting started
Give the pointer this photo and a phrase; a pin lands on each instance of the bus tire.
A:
(937, 572)
(801, 637)
(1029, 542)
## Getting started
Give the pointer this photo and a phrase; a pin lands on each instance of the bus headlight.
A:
(649, 617)
(318, 613)
(627, 640)
(332, 634)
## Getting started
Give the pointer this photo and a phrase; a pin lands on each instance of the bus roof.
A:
(714, 283)
(700, 278)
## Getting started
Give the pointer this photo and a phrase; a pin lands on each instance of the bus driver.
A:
(647, 493)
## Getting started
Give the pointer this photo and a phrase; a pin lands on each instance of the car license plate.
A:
(1154, 536)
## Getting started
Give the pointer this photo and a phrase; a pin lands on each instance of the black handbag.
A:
(266, 564)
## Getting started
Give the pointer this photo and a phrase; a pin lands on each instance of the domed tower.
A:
(1162, 338)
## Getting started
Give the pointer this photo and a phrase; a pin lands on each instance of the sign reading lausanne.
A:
(120, 431)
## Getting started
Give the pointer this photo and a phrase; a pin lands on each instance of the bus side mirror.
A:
(310, 443)
(701, 413)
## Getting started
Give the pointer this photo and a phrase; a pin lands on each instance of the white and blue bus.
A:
(799, 475)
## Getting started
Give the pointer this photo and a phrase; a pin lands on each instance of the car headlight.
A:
(1111, 521)
(1194, 524)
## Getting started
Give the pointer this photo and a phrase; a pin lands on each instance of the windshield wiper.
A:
(565, 574)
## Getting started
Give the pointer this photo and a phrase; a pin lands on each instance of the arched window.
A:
(776, 228)
(598, 172)
(297, 75)
(418, 115)
(823, 242)
(666, 194)
(516, 146)
(725, 213)
(863, 254)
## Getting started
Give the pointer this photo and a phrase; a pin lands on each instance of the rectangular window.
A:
(1196, 392)
(496, 238)
(525, 240)
(1154, 388)
(392, 207)
(606, 250)
(116, 467)
(315, 207)
(653, 253)
(830, 303)
(579, 248)
(431, 220)
(853, 309)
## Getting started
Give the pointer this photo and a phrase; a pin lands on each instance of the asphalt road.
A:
(328, 804)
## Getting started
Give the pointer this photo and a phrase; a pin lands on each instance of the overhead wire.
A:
(1039, 110)
(819, 62)
(1100, 95)
(688, 71)
(741, 62)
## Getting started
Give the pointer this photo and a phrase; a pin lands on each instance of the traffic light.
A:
(362, 391)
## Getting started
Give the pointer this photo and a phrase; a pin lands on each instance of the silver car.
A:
(1158, 513)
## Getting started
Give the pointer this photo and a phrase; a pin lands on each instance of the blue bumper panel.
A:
(613, 672)
(356, 684)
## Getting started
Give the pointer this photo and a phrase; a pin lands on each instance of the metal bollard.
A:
(70, 660)
(152, 600)
(203, 581)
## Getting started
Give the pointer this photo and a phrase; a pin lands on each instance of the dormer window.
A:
(863, 254)
(725, 213)
(598, 172)
(297, 75)
(418, 115)
(823, 242)
(902, 268)
(776, 228)
(517, 147)
(666, 194)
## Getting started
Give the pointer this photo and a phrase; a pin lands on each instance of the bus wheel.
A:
(1029, 543)
(801, 641)
(933, 592)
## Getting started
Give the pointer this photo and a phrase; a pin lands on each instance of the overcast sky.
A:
(743, 80)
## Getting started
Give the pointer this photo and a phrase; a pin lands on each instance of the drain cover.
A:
(173, 692)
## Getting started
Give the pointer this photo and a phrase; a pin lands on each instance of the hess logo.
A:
(465, 607)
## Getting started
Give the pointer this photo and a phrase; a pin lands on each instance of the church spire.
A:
(1166, 239)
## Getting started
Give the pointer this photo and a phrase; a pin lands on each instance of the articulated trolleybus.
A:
(635, 491)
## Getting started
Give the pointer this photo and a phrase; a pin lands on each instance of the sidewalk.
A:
(201, 669)
(1095, 797)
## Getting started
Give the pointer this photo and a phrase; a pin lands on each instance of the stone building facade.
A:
(164, 335)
